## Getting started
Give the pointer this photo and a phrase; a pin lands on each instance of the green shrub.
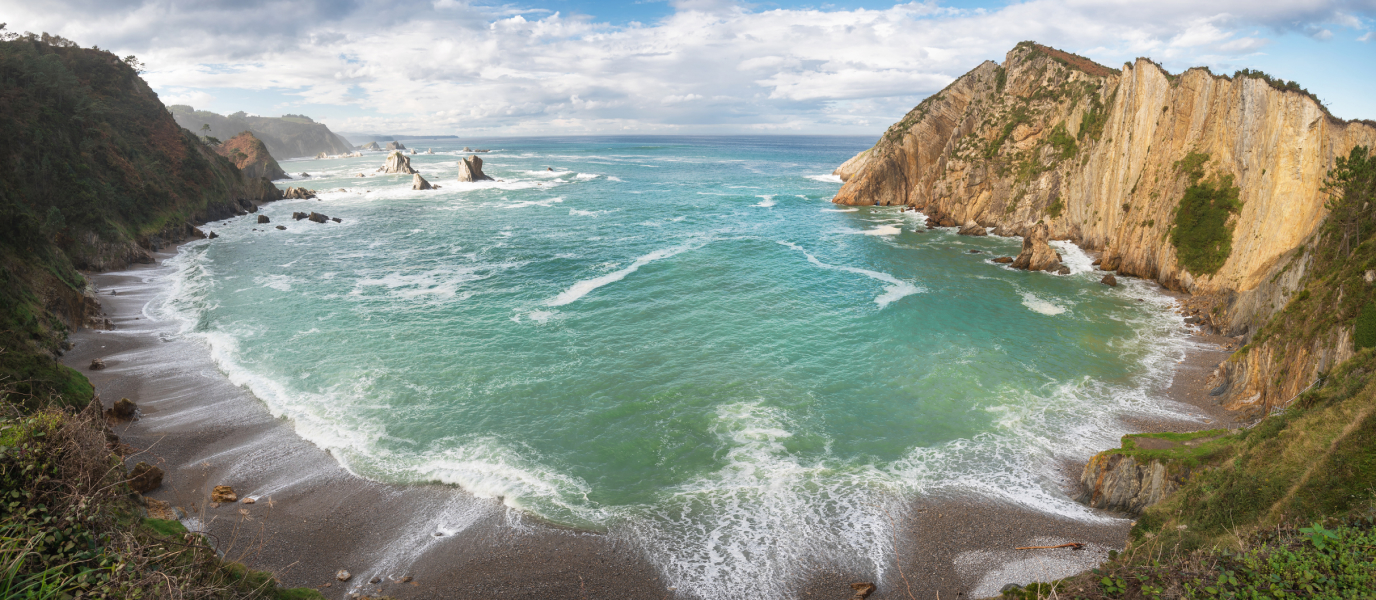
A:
(1202, 236)
(1364, 334)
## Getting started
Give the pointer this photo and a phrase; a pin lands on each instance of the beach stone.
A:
(375, 580)
(248, 501)
(97, 364)
(343, 575)
(145, 478)
(1003, 260)
(282, 227)
(471, 169)
(972, 228)
(862, 589)
(223, 493)
(264, 219)
(123, 409)
(1109, 280)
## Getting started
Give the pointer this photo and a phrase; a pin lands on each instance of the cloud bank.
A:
(451, 66)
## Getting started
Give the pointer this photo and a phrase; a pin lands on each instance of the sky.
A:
(573, 67)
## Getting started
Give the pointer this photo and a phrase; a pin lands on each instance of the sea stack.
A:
(419, 183)
(1037, 255)
(471, 169)
(396, 146)
(398, 163)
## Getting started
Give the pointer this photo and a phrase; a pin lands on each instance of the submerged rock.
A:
(317, 217)
(419, 183)
(1036, 254)
(282, 227)
(145, 478)
(471, 169)
(1003, 260)
(264, 219)
(1109, 280)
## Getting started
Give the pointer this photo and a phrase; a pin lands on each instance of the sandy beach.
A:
(312, 517)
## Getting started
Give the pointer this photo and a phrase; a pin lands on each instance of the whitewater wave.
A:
(585, 287)
(896, 289)
(1039, 305)
(826, 178)
(765, 202)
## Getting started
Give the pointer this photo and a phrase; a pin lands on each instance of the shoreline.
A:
(312, 517)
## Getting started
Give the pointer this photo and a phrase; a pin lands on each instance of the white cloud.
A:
(712, 65)
(1366, 37)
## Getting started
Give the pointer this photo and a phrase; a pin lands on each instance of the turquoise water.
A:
(677, 340)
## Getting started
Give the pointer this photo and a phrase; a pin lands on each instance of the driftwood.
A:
(1075, 545)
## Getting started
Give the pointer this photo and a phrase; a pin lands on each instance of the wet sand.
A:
(312, 517)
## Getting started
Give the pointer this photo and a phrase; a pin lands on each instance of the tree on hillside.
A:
(1351, 187)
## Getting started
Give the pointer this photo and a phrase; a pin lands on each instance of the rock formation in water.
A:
(471, 169)
(1104, 157)
(288, 136)
(395, 146)
(398, 163)
(419, 183)
(972, 228)
(1037, 255)
(370, 146)
(251, 156)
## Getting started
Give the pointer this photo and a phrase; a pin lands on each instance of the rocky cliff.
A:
(251, 156)
(1208, 184)
(288, 136)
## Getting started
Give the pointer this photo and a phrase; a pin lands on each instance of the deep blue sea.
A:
(678, 340)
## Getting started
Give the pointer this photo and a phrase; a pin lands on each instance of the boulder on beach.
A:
(471, 169)
(1109, 280)
(97, 364)
(398, 163)
(223, 493)
(343, 575)
(862, 590)
(123, 410)
(1036, 254)
(419, 183)
(144, 478)
(972, 228)
(264, 219)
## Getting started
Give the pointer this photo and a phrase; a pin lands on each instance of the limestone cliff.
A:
(251, 156)
(288, 136)
(1104, 157)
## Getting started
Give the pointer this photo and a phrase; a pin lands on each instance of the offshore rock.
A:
(396, 146)
(419, 183)
(317, 217)
(1036, 254)
(1003, 260)
(1118, 482)
(1109, 280)
(972, 228)
(471, 169)
(398, 163)
(321, 155)
(370, 146)
(263, 219)
(296, 193)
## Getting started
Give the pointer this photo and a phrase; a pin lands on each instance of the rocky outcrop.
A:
(1109, 280)
(471, 169)
(370, 146)
(398, 163)
(972, 228)
(1117, 482)
(429, 151)
(321, 155)
(296, 193)
(144, 478)
(395, 146)
(419, 183)
(251, 156)
(1037, 255)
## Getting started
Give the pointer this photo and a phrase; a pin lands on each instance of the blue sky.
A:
(551, 67)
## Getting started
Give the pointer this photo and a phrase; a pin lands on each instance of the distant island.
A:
(287, 136)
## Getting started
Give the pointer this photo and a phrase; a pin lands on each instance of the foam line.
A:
(896, 289)
(583, 288)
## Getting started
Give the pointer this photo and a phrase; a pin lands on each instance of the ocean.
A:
(675, 340)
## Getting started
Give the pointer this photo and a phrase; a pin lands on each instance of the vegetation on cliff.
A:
(1203, 230)
(288, 136)
(96, 173)
(251, 156)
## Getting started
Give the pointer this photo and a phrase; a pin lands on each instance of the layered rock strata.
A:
(471, 169)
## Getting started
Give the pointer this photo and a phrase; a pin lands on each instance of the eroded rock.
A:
(144, 478)
(223, 494)
(398, 163)
(1036, 254)
(419, 183)
(1117, 482)
(1109, 280)
(972, 228)
(264, 219)
(471, 169)
(123, 410)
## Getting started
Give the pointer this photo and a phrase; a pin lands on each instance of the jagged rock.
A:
(471, 169)
(282, 227)
(1118, 482)
(264, 219)
(467, 149)
(370, 146)
(157, 509)
(862, 590)
(396, 146)
(213, 235)
(419, 183)
(124, 409)
(972, 228)
(303, 174)
(317, 217)
(337, 219)
(398, 163)
(429, 151)
(296, 193)
(1036, 254)
(97, 364)
(145, 478)
(251, 156)
(1110, 263)
(299, 215)
(343, 575)
(223, 493)
(196, 231)
(320, 156)
(413, 151)
(1109, 280)
(1097, 262)
(1003, 260)
(1064, 270)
